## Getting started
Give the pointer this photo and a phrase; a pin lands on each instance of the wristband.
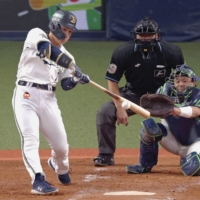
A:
(186, 112)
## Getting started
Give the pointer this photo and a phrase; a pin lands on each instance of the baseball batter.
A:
(179, 132)
(44, 62)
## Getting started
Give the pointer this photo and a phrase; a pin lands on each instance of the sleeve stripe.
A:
(108, 78)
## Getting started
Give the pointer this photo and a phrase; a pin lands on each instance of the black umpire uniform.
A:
(145, 68)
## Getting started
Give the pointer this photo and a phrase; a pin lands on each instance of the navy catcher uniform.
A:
(145, 62)
(44, 62)
(180, 131)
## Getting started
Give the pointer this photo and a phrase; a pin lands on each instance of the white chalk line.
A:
(92, 177)
(124, 193)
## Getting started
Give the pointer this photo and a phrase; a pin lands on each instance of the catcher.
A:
(179, 130)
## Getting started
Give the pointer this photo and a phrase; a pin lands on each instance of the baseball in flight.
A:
(126, 105)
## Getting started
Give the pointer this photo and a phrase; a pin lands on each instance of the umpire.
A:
(145, 62)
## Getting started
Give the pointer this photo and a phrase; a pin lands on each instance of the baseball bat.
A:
(134, 107)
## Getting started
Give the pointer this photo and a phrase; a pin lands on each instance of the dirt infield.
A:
(165, 182)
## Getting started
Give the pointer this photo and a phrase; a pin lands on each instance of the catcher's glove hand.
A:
(159, 105)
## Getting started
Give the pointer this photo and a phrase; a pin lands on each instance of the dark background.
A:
(179, 20)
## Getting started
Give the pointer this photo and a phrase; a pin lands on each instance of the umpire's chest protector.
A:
(147, 74)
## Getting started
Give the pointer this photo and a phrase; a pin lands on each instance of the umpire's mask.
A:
(146, 28)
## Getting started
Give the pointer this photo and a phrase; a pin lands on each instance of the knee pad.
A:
(151, 127)
(145, 138)
(148, 154)
(152, 131)
(190, 165)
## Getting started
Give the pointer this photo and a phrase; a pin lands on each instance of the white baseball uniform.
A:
(171, 144)
(35, 106)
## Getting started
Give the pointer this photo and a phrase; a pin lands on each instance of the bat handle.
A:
(97, 85)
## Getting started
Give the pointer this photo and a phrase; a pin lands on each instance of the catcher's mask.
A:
(183, 70)
(64, 18)
(144, 27)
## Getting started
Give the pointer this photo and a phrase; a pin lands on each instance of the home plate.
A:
(129, 193)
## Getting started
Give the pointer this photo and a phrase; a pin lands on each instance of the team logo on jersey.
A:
(159, 73)
(160, 66)
(112, 68)
(137, 65)
(45, 60)
(26, 95)
(40, 55)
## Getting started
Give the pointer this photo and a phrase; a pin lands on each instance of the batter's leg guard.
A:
(190, 165)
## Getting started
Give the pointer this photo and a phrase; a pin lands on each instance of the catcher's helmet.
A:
(184, 70)
(64, 18)
(146, 26)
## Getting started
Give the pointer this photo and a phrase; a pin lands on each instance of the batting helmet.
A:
(64, 18)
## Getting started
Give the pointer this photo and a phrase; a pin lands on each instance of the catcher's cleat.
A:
(103, 160)
(64, 178)
(42, 187)
(137, 169)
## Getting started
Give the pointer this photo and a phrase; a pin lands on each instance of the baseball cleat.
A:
(64, 178)
(136, 169)
(102, 161)
(42, 187)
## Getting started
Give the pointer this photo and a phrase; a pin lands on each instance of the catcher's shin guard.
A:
(148, 158)
(148, 155)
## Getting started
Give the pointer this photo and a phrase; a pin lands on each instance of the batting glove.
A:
(77, 73)
(84, 79)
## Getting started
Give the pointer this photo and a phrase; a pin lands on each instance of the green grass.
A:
(78, 106)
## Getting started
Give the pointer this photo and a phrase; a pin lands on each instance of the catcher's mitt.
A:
(159, 105)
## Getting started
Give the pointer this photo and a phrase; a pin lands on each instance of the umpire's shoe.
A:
(64, 178)
(104, 160)
(42, 187)
(137, 169)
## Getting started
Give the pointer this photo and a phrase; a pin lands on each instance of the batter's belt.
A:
(38, 86)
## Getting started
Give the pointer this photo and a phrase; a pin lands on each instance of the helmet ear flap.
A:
(56, 30)
(53, 26)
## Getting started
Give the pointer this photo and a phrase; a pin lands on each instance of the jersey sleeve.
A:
(35, 36)
(116, 68)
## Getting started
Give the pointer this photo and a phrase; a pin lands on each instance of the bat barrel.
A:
(139, 110)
